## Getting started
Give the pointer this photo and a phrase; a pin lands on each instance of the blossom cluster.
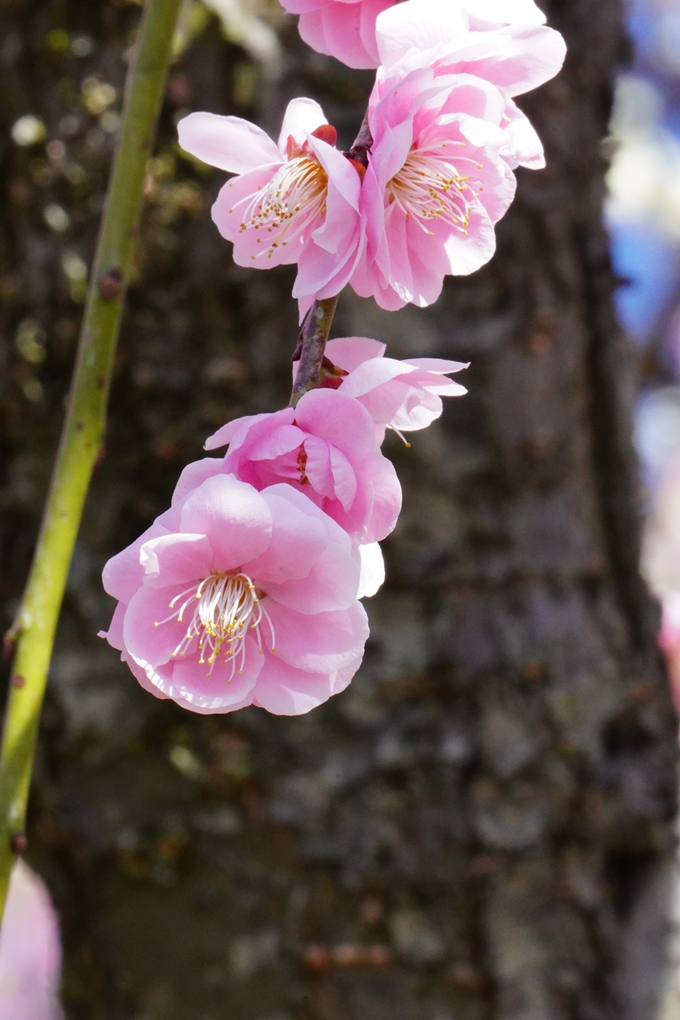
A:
(417, 197)
(247, 590)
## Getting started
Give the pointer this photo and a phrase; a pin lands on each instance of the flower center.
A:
(287, 206)
(429, 187)
(223, 608)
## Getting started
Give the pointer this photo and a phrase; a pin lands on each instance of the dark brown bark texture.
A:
(481, 826)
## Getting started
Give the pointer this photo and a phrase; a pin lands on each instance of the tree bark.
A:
(482, 825)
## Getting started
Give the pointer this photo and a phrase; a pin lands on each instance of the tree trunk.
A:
(481, 826)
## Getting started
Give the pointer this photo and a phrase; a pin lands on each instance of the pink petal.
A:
(123, 573)
(176, 560)
(416, 25)
(439, 365)
(230, 143)
(234, 517)
(219, 692)
(338, 420)
(114, 635)
(387, 498)
(284, 690)
(342, 679)
(298, 539)
(331, 584)
(372, 374)
(322, 643)
(302, 116)
(318, 466)
(226, 433)
(276, 442)
(149, 640)
(162, 677)
(30, 950)
(523, 146)
(336, 31)
(351, 351)
(195, 474)
(344, 478)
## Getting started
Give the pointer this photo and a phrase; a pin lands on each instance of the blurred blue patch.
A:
(650, 262)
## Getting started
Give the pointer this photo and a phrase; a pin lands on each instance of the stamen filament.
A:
(288, 206)
(428, 187)
(226, 607)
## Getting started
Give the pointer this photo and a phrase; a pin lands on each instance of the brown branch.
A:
(311, 347)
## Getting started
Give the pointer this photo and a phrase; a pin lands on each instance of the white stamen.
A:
(225, 608)
(428, 187)
(288, 206)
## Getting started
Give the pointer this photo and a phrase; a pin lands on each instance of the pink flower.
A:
(297, 201)
(505, 43)
(30, 951)
(435, 186)
(326, 449)
(401, 395)
(235, 597)
(351, 29)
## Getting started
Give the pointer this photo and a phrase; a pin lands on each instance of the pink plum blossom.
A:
(326, 449)
(295, 201)
(435, 186)
(236, 597)
(351, 29)
(401, 395)
(30, 951)
(505, 43)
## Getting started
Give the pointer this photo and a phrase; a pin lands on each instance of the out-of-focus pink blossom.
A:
(295, 201)
(401, 395)
(435, 186)
(661, 566)
(350, 29)
(326, 449)
(236, 597)
(30, 951)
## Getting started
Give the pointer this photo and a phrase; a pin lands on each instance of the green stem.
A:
(311, 347)
(83, 431)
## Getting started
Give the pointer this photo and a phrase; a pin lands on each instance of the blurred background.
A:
(482, 825)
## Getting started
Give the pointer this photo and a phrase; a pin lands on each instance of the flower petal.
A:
(176, 560)
(302, 115)
(349, 352)
(195, 474)
(321, 643)
(284, 690)
(235, 517)
(30, 950)
(340, 421)
(222, 690)
(229, 143)
(298, 539)
(149, 640)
